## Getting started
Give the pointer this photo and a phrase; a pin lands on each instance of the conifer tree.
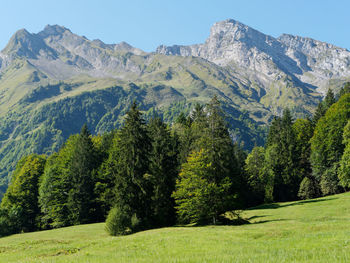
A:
(81, 172)
(323, 106)
(131, 168)
(163, 169)
(281, 144)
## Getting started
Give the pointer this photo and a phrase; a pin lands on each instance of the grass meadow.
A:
(315, 230)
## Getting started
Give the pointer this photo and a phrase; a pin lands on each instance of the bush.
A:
(329, 182)
(135, 223)
(118, 222)
(308, 189)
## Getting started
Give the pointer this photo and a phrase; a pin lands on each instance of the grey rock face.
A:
(233, 44)
(61, 54)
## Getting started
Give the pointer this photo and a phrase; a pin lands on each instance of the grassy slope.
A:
(305, 231)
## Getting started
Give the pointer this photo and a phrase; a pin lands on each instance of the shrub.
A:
(118, 222)
(308, 189)
(329, 182)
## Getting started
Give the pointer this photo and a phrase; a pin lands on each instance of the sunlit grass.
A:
(305, 231)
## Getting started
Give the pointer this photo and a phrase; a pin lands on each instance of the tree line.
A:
(148, 175)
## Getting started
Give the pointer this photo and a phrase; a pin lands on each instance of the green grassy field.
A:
(306, 231)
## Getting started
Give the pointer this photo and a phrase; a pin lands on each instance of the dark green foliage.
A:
(303, 130)
(67, 190)
(282, 164)
(118, 222)
(104, 186)
(55, 186)
(163, 167)
(82, 168)
(21, 198)
(10, 220)
(129, 164)
(323, 106)
(345, 89)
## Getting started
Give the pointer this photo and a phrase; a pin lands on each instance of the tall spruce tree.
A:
(281, 143)
(131, 168)
(163, 169)
(83, 165)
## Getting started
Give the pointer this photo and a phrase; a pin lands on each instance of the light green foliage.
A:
(118, 222)
(254, 169)
(308, 189)
(327, 145)
(344, 165)
(305, 231)
(198, 197)
(22, 194)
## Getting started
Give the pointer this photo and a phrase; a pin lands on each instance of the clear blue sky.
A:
(148, 23)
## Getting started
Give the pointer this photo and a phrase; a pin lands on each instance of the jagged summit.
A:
(26, 45)
(54, 30)
(305, 61)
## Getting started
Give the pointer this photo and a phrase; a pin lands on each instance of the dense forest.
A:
(149, 174)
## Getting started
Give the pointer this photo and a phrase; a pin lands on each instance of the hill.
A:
(303, 231)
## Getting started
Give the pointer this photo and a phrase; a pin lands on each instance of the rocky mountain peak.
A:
(234, 30)
(53, 30)
(27, 45)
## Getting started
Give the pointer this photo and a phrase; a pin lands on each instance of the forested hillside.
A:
(148, 174)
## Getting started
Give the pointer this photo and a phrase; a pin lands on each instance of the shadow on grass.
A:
(268, 221)
(275, 205)
(254, 217)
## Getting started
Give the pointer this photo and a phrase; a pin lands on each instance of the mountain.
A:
(54, 81)
(309, 63)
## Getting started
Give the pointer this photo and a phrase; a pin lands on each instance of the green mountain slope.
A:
(304, 231)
